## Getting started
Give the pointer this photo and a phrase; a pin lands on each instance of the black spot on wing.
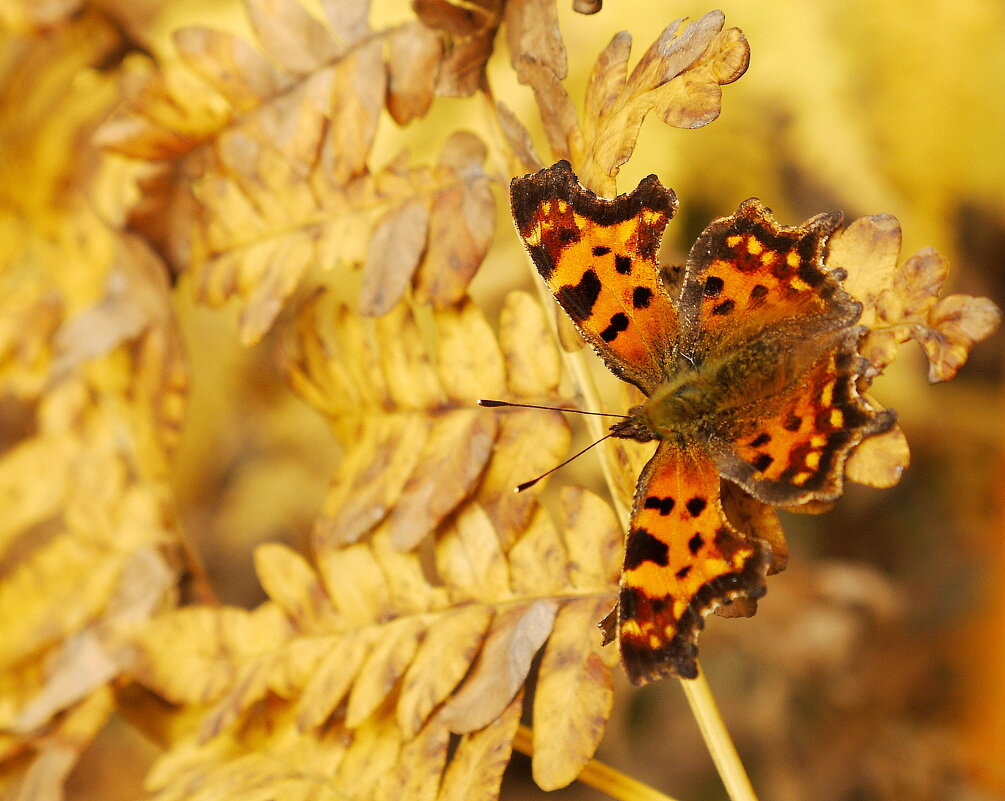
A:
(578, 300)
(623, 264)
(713, 286)
(763, 462)
(696, 505)
(601, 250)
(724, 308)
(641, 297)
(663, 505)
(644, 547)
(696, 543)
(618, 323)
(761, 439)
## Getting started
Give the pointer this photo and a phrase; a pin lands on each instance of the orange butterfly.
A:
(749, 373)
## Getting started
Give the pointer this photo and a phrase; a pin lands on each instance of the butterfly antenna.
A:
(496, 403)
(532, 482)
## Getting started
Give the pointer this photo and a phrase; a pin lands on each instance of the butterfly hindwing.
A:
(598, 257)
(791, 448)
(682, 559)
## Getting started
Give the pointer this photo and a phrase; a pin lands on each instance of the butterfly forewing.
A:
(598, 257)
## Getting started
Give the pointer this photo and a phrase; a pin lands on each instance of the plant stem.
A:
(717, 739)
(600, 776)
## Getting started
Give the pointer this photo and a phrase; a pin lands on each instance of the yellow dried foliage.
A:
(299, 169)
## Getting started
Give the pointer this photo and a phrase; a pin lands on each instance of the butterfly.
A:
(750, 373)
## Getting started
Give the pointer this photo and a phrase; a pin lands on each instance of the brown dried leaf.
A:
(231, 66)
(358, 91)
(663, 80)
(415, 52)
(296, 40)
(532, 32)
(457, 19)
(460, 226)
(694, 98)
(456, 452)
(558, 113)
(462, 69)
(348, 18)
(955, 324)
(514, 637)
(442, 660)
(901, 304)
(518, 138)
(410, 588)
(396, 245)
(881, 460)
(573, 697)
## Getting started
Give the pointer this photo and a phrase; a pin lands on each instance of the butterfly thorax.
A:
(701, 395)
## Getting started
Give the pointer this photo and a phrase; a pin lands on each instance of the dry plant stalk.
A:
(393, 662)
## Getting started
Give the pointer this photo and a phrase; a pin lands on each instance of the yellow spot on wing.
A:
(533, 237)
(651, 217)
(801, 478)
(827, 394)
(812, 460)
(631, 627)
(734, 240)
(562, 206)
(754, 246)
(768, 257)
(818, 440)
(837, 418)
(792, 259)
(800, 284)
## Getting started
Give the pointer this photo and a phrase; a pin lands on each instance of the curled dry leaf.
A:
(532, 33)
(903, 303)
(679, 76)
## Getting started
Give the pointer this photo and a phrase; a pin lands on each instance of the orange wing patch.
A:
(793, 449)
(746, 273)
(598, 257)
(682, 559)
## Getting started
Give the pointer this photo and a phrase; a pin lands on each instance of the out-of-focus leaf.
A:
(460, 226)
(413, 66)
(593, 539)
(396, 246)
(297, 41)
